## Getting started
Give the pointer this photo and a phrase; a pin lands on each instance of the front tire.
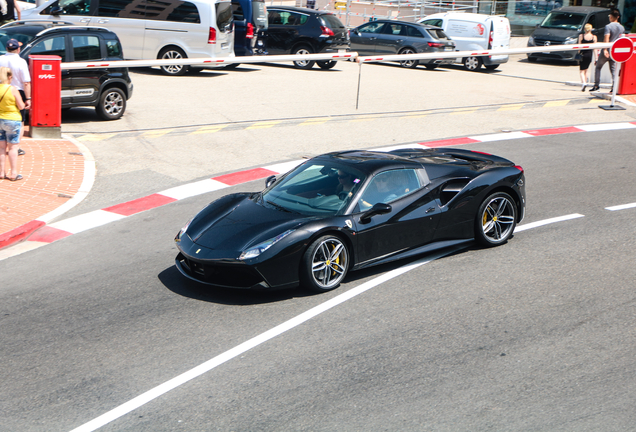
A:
(176, 54)
(408, 63)
(324, 264)
(112, 104)
(472, 63)
(325, 65)
(496, 220)
(303, 64)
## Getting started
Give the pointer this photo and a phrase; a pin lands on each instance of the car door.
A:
(56, 45)
(86, 82)
(365, 38)
(282, 30)
(410, 223)
(127, 20)
(391, 40)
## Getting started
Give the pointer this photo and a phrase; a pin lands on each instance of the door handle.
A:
(102, 21)
(85, 20)
(430, 210)
(400, 40)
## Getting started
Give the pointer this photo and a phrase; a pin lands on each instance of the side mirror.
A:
(356, 32)
(377, 209)
(270, 181)
(56, 11)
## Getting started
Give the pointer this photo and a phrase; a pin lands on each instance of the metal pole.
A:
(359, 75)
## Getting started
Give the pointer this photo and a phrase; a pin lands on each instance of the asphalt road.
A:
(534, 335)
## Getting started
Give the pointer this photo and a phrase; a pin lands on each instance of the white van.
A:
(153, 29)
(474, 32)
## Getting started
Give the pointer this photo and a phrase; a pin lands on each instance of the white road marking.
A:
(86, 221)
(621, 207)
(164, 388)
(193, 189)
(520, 228)
(606, 127)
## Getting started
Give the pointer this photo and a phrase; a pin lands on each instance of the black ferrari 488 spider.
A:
(350, 210)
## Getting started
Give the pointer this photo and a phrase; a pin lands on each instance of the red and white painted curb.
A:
(43, 234)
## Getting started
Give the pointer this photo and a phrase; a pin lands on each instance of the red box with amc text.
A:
(46, 90)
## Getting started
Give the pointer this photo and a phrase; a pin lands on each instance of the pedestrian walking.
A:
(10, 125)
(21, 76)
(9, 10)
(586, 55)
(613, 31)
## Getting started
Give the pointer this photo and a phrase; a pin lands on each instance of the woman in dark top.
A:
(586, 55)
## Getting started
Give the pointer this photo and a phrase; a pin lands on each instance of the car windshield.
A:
(437, 33)
(315, 189)
(6, 34)
(563, 20)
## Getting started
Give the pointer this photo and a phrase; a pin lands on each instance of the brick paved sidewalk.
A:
(53, 172)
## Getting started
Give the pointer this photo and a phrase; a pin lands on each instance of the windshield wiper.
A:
(279, 207)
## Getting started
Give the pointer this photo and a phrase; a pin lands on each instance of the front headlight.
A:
(183, 230)
(571, 40)
(530, 41)
(255, 251)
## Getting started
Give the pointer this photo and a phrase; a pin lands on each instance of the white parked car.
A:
(166, 29)
(474, 32)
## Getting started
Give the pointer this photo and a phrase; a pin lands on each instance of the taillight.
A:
(212, 36)
(250, 31)
(436, 45)
(480, 152)
(490, 39)
(519, 168)
(326, 31)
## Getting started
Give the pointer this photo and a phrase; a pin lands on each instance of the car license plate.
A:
(342, 51)
(448, 49)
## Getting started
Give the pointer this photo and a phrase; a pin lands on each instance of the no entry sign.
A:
(622, 49)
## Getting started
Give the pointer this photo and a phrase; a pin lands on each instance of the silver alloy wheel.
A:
(472, 63)
(408, 63)
(113, 104)
(302, 63)
(498, 219)
(329, 263)
(170, 55)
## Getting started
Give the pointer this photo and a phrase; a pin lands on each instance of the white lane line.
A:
(193, 189)
(252, 343)
(621, 207)
(547, 222)
(86, 221)
(164, 388)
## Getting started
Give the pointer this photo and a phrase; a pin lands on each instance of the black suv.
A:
(105, 89)
(293, 30)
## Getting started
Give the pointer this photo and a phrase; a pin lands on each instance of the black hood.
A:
(238, 221)
(553, 34)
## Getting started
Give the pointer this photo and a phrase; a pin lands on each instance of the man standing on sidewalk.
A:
(613, 31)
(21, 76)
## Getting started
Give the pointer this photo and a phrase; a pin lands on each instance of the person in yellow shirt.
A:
(10, 125)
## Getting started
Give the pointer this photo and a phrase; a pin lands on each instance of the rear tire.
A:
(324, 264)
(472, 63)
(325, 65)
(496, 220)
(173, 53)
(303, 64)
(412, 64)
(112, 104)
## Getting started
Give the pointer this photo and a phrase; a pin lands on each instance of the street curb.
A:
(42, 233)
(22, 232)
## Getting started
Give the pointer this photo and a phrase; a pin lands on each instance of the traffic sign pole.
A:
(621, 51)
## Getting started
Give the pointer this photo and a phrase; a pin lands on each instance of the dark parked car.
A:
(399, 37)
(250, 25)
(105, 89)
(350, 210)
(562, 27)
(295, 30)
